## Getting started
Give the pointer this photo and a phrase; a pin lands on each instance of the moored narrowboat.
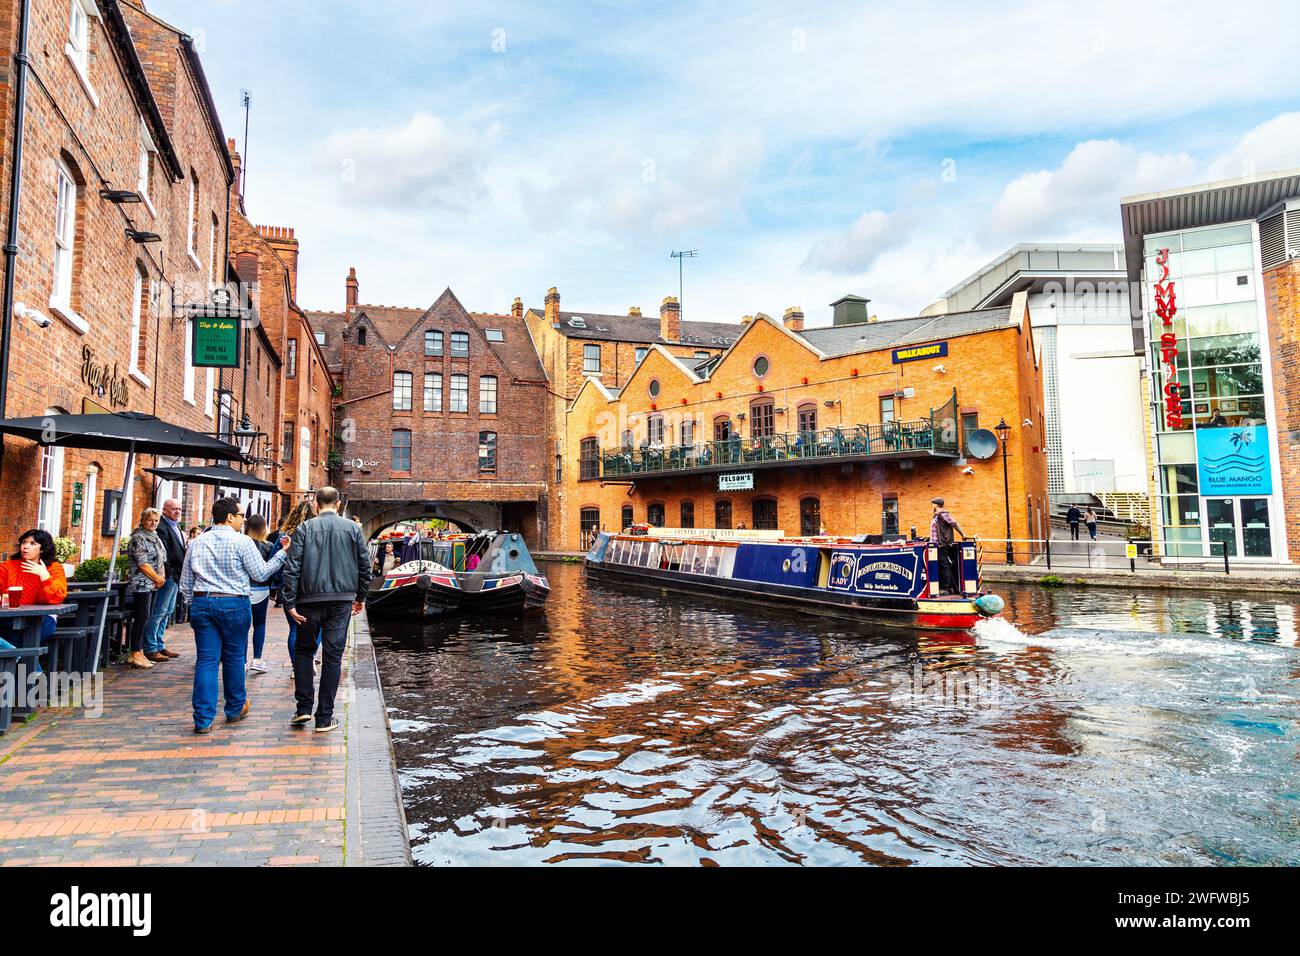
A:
(895, 583)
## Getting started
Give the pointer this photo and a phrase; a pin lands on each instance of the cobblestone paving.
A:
(136, 786)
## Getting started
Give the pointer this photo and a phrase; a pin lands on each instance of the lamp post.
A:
(1004, 432)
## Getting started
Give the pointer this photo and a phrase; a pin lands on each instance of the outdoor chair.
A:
(76, 630)
(10, 659)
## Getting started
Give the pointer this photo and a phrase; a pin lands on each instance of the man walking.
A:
(1072, 518)
(326, 577)
(218, 567)
(164, 602)
(942, 526)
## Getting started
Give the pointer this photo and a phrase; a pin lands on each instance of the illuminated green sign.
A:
(215, 341)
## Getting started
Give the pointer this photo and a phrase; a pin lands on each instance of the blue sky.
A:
(883, 149)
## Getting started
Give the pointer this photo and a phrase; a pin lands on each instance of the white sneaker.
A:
(258, 665)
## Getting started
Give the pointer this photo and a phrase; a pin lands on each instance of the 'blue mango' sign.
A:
(1234, 461)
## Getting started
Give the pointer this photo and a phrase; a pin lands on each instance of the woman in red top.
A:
(34, 569)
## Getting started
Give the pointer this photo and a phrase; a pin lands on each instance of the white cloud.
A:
(1270, 146)
(854, 250)
(420, 165)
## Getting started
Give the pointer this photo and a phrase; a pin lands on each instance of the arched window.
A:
(487, 453)
(433, 391)
(432, 342)
(721, 428)
(460, 393)
(627, 517)
(401, 391)
(808, 417)
(688, 515)
(810, 517)
(654, 514)
(762, 419)
(401, 449)
(765, 514)
(460, 343)
(722, 514)
(588, 525)
(588, 460)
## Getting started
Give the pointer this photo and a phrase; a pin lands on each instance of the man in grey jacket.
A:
(326, 577)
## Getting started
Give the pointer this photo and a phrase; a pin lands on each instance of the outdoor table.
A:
(79, 629)
(21, 627)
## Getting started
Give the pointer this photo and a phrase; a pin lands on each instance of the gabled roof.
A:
(643, 329)
(674, 362)
(608, 394)
(838, 340)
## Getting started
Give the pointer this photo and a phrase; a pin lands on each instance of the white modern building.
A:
(1079, 307)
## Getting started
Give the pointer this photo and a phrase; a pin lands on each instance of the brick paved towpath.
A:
(135, 786)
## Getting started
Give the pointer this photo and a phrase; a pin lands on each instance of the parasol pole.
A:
(122, 518)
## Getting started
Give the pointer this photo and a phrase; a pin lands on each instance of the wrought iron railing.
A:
(890, 438)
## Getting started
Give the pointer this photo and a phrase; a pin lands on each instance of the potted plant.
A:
(64, 549)
(96, 569)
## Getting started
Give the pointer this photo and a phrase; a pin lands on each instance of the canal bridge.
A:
(469, 506)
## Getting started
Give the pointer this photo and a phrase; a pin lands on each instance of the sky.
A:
(804, 150)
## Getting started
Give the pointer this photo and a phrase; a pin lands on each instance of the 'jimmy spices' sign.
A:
(103, 378)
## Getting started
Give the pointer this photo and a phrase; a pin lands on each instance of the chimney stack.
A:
(552, 306)
(670, 319)
(351, 289)
(793, 318)
(634, 311)
(517, 308)
(745, 320)
(281, 239)
(235, 161)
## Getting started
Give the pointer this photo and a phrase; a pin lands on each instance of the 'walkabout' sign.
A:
(736, 481)
(914, 353)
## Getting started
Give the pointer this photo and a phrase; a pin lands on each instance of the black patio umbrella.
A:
(222, 475)
(131, 432)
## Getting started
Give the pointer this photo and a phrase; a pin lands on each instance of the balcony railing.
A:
(892, 439)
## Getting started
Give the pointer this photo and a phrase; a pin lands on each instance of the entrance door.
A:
(1242, 524)
(1256, 534)
(1221, 524)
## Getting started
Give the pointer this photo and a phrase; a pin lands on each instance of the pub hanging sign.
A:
(215, 331)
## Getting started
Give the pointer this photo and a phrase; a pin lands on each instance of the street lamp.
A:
(1004, 432)
(244, 435)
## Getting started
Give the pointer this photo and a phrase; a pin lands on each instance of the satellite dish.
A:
(982, 443)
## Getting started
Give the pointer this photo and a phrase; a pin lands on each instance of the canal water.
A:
(1092, 726)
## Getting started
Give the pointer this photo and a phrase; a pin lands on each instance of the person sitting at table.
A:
(35, 569)
(146, 565)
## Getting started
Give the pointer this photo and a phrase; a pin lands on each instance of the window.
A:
(432, 342)
(591, 359)
(808, 417)
(762, 419)
(588, 460)
(654, 514)
(970, 421)
(460, 393)
(79, 37)
(225, 414)
(286, 448)
(889, 515)
(810, 517)
(147, 149)
(189, 367)
(460, 343)
(654, 388)
(291, 360)
(401, 391)
(687, 431)
(194, 214)
(51, 494)
(655, 431)
(559, 468)
(765, 514)
(761, 366)
(65, 233)
(688, 515)
(701, 356)
(588, 525)
(487, 394)
(213, 273)
(640, 354)
(487, 452)
(361, 336)
(722, 514)
(401, 449)
(886, 409)
(627, 517)
(320, 338)
(140, 296)
(721, 429)
(433, 391)
(494, 335)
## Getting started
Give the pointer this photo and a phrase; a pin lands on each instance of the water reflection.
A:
(1104, 727)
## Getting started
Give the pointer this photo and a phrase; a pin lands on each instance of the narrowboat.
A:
(894, 583)
(490, 572)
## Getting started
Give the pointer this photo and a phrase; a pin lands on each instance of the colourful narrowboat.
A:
(895, 583)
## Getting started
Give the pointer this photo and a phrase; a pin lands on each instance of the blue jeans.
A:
(220, 638)
(164, 602)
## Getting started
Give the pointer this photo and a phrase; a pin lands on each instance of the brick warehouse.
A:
(796, 395)
(441, 413)
(86, 297)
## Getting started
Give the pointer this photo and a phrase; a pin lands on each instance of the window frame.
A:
(433, 342)
(588, 459)
(459, 338)
(433, 392)
(460, 379)
(394, 448)
(487, 401)
(403, 384)
(767, 407)
(491, 467)
(65, 234)
(804, 514)
(587, 355)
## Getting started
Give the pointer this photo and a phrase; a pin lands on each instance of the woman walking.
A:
(303, 511)
(34, 569)
(146, 564)
(259, 593)
(1090, 519)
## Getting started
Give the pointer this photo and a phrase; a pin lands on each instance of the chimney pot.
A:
(634, 310)
(351, 288)
(793, 318)
(670, 319)
(517, 308)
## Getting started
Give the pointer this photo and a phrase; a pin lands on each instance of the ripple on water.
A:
(1085, 727)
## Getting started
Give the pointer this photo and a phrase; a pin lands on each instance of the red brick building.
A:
(442, 413)
(115, 100)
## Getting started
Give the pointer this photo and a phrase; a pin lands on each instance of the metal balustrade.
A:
(891, 439)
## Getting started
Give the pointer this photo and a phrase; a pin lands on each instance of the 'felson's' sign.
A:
(103, 379)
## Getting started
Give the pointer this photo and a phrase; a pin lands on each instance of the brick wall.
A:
(1282, 301)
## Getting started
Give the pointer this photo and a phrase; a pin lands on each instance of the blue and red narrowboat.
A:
(895, 583)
